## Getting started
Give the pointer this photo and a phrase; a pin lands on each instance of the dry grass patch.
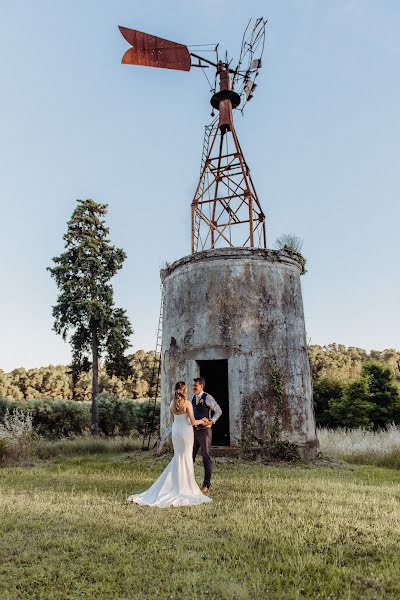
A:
(361, 446)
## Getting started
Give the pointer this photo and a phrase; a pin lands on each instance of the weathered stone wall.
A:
(246, 306)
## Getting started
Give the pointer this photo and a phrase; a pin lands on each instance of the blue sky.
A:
(321, 138)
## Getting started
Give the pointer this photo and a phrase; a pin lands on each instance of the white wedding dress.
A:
(176, 485)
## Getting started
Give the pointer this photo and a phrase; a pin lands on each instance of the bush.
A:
(59, 418)
(17, 438)
(384, 394)
(122, 417)
(353, 408)
(370, 401)
(326, 390)
(62, 418)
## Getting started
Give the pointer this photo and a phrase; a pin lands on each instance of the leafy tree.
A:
(336, 361)
(354, 407)
(326, 390)
(384, 394)
(389, 357)
(8, 387)
(85, 304)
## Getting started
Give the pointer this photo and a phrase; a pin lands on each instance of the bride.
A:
(176, 485)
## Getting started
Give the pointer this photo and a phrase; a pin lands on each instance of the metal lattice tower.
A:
(225, 210)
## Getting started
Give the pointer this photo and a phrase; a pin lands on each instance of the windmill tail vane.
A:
(225, 208)
(151, 51)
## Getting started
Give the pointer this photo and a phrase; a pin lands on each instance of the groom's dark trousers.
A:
(202, 440)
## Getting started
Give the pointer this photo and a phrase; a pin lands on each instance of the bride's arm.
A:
(170, 410)
(190, 413)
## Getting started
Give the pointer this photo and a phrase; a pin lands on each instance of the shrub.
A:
(384, 394)
(58, 418)
(17, 438)
(354, 407)
(64, 418)
(326, 390)
(371, 401)
(123, 417)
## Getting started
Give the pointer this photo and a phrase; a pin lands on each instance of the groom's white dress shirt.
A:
(213, 404)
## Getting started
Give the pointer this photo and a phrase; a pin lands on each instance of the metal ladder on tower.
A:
(148, 428)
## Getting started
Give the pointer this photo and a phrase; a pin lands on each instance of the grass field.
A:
(282, 532)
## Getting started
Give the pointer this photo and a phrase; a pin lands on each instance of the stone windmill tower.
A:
(232, 309)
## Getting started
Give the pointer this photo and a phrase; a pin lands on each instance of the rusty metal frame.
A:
(225, 207)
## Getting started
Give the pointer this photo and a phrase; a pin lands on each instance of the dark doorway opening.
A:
(215, 372)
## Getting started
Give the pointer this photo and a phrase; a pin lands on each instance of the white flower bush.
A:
(16, 435)
(16, 425)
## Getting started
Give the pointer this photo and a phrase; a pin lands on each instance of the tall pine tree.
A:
(85, 304)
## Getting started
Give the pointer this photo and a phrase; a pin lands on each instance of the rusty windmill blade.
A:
(151, 51)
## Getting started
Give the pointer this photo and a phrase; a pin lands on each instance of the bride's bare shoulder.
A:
(184, 407)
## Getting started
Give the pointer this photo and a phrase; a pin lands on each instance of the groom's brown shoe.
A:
(204, 489)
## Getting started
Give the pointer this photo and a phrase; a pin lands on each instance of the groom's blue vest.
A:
(201, 410)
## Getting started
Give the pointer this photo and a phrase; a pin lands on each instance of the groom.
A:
(203, 404)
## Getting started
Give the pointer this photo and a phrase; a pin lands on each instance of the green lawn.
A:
(271, 532)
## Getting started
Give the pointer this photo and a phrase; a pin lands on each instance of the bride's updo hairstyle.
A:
(180, 395)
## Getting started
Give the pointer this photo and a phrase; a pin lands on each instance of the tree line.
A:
(354, 388)
(56, 381)
(351, 387)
